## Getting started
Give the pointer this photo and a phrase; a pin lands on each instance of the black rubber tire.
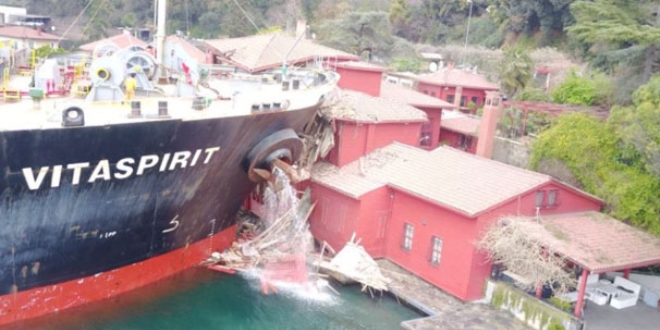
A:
(284, 144)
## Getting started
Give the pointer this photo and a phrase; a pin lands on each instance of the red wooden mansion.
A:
(423, 204)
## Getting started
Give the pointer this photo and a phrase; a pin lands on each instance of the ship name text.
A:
(122, 169)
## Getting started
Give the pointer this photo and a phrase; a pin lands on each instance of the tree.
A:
(398, 12)
(639, 125)
(99, 13)
(367, 34)
(406, 64)
(510, 243)
(612, 25)
(210, 23)
(607, 163)
(583, 89)
(528, 17)
(515, 70)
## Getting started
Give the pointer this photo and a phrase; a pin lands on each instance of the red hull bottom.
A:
(53, 298)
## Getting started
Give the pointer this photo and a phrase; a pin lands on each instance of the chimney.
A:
(458, 94)
(488, 125)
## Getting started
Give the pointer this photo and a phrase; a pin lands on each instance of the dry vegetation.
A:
(509, 243)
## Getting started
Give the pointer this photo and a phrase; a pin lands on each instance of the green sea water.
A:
(203, 299)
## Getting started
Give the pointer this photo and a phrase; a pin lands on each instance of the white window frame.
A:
(408, 235)
(436, 250)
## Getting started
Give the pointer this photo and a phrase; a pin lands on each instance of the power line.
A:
(74, 21)
(246, 15)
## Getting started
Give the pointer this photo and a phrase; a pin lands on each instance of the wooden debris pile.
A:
(354, 262)
(266, 242)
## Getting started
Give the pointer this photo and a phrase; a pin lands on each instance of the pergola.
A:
(553, 109)
(597, 243)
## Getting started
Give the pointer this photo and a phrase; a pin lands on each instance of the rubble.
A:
(355, 263)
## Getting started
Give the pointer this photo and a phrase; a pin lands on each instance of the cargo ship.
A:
(103, 195)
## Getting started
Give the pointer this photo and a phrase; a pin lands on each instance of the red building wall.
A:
(568, 202)
(430, 220)
(406, 133)
(350, 143)
(354, 140)
(373, 223)
(442, 92)
(435, 117)
(335, 216)
(453, 139)
(366, 81)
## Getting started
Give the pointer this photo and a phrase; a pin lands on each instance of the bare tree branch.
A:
(509, 243)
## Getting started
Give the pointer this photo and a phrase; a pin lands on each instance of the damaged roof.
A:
(267, 51)
(445, 176)
(360, 107)
(595, 241)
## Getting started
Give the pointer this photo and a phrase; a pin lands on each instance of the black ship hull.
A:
(81, 201)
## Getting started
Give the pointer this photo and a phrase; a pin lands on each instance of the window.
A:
(475, 101)
(549, 201)
(552, 198)
(464, 142)
(450, 99)
(425, 137)
(408, 236)
(436, 250)
(463, 101)
(539, 198)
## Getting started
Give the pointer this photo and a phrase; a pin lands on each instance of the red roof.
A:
(454, 179)
(267, 51)
(459, 122)
(395, 92)
(359, 107)
(457, 77)
(122, 41)
(595, 241)
(24, 32)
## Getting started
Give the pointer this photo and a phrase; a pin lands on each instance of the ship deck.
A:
(234, 97)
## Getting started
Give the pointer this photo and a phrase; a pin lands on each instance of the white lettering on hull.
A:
(123, 169)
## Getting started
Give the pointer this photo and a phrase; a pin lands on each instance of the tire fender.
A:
(283, 144)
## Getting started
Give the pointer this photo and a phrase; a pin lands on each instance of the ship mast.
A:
(161, 16)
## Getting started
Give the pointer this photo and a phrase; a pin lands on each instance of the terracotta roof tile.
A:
(460, 180)
(360, 107)
(456, 77)
(395, 92)
(122, 41)
(25, 32)
(266, 51)
(452, 178)
(347, 179)
(596, 241)
(459, 122)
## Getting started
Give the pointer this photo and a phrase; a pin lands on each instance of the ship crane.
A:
(109, 70)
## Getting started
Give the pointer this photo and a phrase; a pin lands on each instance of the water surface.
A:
(202, 299)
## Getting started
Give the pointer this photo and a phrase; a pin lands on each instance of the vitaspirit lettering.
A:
(123, 169)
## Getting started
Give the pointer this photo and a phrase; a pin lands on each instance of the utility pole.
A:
(467, 32)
